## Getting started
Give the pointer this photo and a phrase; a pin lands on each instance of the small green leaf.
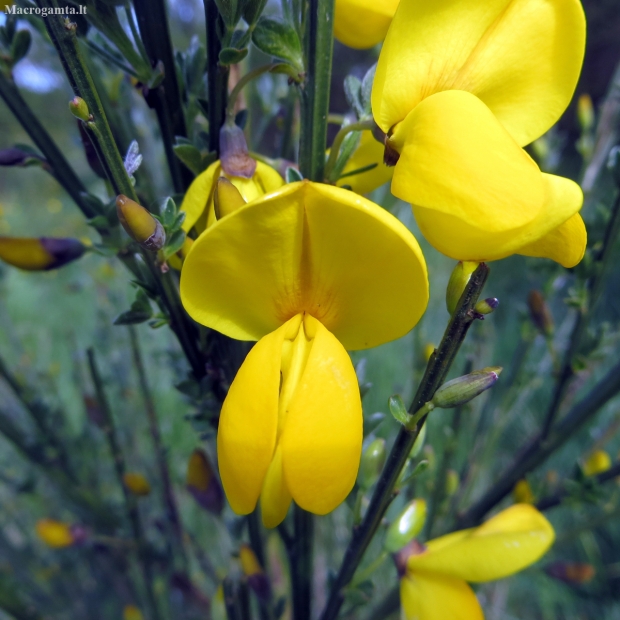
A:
(352, 90)
(366, 90)
(190, 156)
(168, 212)
(21, 45)
(292, 175)
(100, 222)
(279, 40)
(232, 56)
(175, 243)
(229, 10)
(178, 222)
(131, 318)
(398, 409)
(251, 10)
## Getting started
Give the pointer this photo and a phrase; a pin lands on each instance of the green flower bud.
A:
(406, 526)
(458, 281)
(139, 224)
(463, 389)
(79, 109)
(41, 254)
(372, 463)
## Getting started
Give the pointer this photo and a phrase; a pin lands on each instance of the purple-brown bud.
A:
(254, 573)
(203, 484)
(234, 157)
(540, 313)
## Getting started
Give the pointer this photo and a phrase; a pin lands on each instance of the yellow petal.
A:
(598, 462)
(198, 202)
(362, 23)
(505, 544)
(275, 497)
(310, 248)
(522, 58)
(368, 152)
(432, 597)
(565, 244)
(322, 435)
(248, 424)
(56, 534)
(461, 240)
(456, 158)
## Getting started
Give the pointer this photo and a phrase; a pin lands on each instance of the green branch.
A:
(436, 371)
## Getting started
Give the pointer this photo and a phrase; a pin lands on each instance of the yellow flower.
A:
(198, 203)
(460, 87)
(368, 152)
(307, 270)
(55, 534)
(131, 612)
(136, 483)
(362, 23)
(598, 462)
(434, 585)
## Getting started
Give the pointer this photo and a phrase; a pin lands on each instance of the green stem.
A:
(111, 58)
(319, 46)
(300, 554)
(62, 170)
(166, 98)
(172, 511)
(337, 143)
(131, 506)
(217, 76)
(436, 371)
(539, 448)
(593, 288)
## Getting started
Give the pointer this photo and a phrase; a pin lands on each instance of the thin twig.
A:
(436, 371)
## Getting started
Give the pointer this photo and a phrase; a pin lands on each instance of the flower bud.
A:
(203, 484)
(463, 389)
(79, 109)
(452, 482)
(539, 313)
(406, 526)
(55, 534)
(486, 306)
(131, 612)
(257, 580)
(18, 157)
(598, 462)
(139, 224)
(372, 462)
(522, 492)
(40, 254)
(429, 349)
(574, 573)
(226, 198)
(234, 155)
(457, 283)
(137, 483)
(585, 112)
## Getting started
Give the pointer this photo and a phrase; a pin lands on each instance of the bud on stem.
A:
(406, 526)
(372, 463)
(40, 254)
(80, 110)
(139, 224)
(234, 156)
(457, 283)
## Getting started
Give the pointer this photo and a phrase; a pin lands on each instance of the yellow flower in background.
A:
(522, 493)
(55, 534)
(434, 585)
(368, 152)
(362, 23)
(308, 271)
(198, 203)
(131, 612)
(597, 463)
(460, 87)
(137, 483)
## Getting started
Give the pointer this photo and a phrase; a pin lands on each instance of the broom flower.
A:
(362, 23)
(460, 88)
(434, 576)
(308, 271)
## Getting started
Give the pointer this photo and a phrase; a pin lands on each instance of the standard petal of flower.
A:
(521, 57)
(565, 244)
(456, 158)
(462, 240)
(310, 248)
(322, 436)
(505, 544)
(248, 425)
(275, 497)
(368, 152)
(198, 201)
(362, 23)
(432, 597)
